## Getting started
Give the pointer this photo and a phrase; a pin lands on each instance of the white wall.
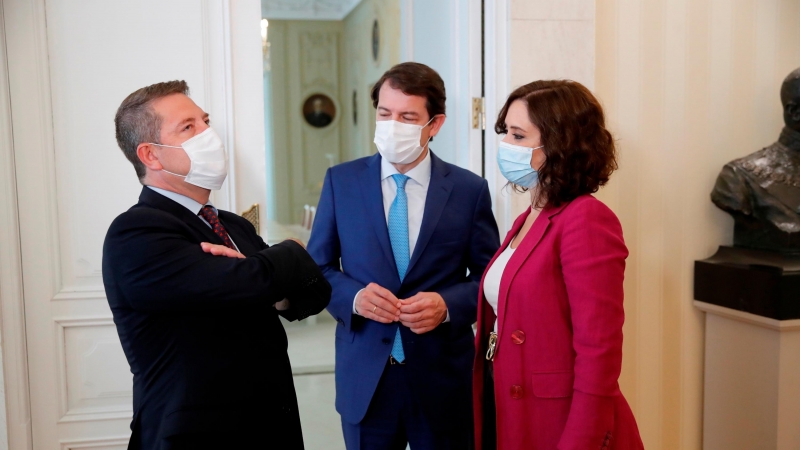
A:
(64, 179)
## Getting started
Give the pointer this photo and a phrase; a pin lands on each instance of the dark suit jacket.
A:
(458, 234)
(205, 345)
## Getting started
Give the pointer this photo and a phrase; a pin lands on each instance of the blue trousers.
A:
(395, 419)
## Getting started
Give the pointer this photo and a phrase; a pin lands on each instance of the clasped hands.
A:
(421, 312)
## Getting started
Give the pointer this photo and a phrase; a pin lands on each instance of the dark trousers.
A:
(489, 436)
(395, 419)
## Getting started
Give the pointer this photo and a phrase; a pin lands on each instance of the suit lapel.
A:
(521, 254)
(372, 194)
(438, 192)
(156, 200)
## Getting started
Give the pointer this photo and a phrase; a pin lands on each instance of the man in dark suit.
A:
(404, 238)
(201, 332)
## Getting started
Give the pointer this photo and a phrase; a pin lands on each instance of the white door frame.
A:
(16, 431)
(496, 87)
(497, 23)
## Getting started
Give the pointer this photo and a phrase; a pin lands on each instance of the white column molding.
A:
(15, 426)
(218, 71)
(497, 21)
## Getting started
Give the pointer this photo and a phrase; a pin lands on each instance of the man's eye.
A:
(188, 127)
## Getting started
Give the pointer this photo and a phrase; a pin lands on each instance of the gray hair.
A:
(136, 121)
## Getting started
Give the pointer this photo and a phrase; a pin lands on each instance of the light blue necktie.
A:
(398, 235)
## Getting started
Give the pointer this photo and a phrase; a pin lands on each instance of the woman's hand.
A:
(220, 250)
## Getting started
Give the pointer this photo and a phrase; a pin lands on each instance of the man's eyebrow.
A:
(184, 121)
(403, 113)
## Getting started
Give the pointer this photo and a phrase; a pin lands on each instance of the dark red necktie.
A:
(213, 219)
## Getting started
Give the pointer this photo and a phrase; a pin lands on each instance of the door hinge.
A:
(478, 113)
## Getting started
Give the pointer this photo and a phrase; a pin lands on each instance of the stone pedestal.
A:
(752, 381)
(752, 349)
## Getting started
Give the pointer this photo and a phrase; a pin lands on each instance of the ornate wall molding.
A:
(69, 410)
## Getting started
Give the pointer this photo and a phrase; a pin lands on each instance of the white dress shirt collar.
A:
(420, 174)
(183, 200)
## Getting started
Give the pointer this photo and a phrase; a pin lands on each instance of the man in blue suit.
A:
(404, 237)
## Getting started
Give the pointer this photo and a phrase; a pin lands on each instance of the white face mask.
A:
(399, 142)
(209, 160)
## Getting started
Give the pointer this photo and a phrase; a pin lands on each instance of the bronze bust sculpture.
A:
(762, 190)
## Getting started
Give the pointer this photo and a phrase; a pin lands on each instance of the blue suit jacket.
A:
(350, 242)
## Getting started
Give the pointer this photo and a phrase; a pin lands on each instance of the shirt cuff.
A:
(447, 319)
(354, 304)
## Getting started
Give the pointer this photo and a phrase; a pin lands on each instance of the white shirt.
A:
(189, 204)
(416, 192)
(491, 283)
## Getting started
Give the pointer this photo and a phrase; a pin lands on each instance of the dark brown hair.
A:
(415, 79)
(136, 121)
(580, 152)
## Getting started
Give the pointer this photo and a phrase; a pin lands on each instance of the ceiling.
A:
(307, 9)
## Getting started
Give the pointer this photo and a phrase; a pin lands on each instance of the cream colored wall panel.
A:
(568, 54)
(687, 86)
(553, 10)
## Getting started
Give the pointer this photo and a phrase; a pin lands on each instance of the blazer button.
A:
(518, 337)
(386, 341)
(516, 392)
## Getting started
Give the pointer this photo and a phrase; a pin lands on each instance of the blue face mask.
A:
(515, 164)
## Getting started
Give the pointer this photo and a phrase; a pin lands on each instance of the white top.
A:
(491, 284)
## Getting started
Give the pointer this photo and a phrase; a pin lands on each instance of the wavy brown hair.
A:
(580, 152)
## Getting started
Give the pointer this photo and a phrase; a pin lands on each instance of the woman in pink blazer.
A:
(549, 339)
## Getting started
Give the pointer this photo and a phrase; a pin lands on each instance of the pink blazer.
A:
(559, 350)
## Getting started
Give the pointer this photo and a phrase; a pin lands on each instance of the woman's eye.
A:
(518, 137)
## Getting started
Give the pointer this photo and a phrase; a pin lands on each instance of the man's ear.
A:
(436, 124)
(146, 154)
(793, 111)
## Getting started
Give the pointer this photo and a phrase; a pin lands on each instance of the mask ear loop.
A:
(165, 170)
(429, 136)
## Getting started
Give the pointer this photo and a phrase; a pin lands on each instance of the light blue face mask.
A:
(515, 164)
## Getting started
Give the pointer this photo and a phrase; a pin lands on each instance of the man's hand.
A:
(378, 304)
(220, 250)
(423, 312)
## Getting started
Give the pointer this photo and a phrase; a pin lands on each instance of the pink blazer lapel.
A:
(486, 316)
(521, 254)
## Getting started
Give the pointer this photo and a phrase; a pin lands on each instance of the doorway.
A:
(321, 63)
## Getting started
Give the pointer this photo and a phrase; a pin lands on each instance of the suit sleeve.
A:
(324, 247)
(155, 267)
(593, 264)
(462, 298)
